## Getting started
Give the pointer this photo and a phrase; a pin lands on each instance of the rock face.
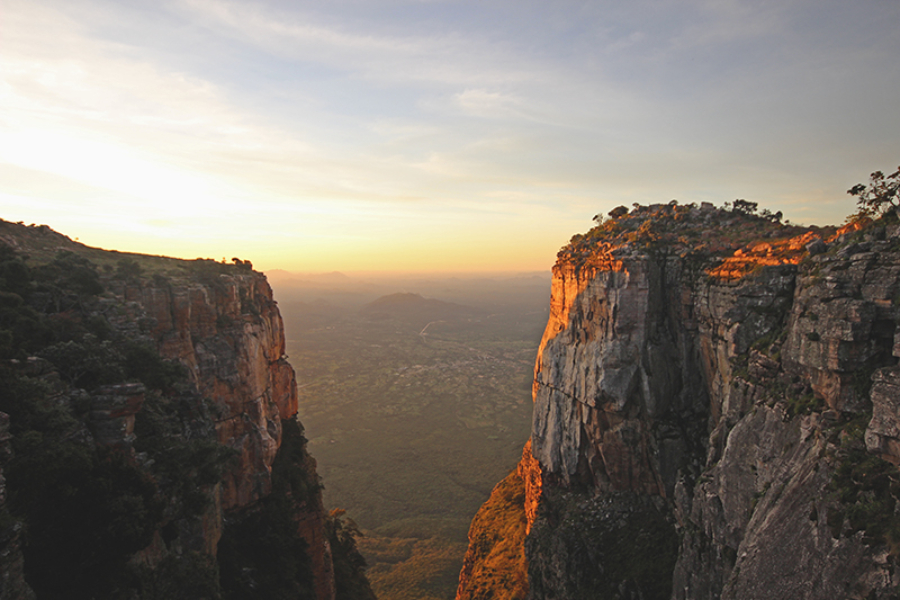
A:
(229, 334)
(226, 329)
(717, 424)
(494, 566)
(183, 485)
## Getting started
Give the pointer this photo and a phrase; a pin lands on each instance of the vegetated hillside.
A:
(715, 413)
(149, 442)
(412, 429)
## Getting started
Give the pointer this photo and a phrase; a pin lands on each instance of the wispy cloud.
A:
(352, 117)
(447, 58)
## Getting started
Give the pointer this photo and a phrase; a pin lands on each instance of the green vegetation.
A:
(261, 554)
(618, 545)
(87, 508)
(429, 569)
(349, 564)
(687, 230)
(803, 404)
(867, 488)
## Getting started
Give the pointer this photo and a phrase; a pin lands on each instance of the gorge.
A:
(715, 417)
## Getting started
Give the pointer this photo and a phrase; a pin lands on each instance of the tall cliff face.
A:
(226, 329)
(716, 412)
(229, 334)
(151, 446)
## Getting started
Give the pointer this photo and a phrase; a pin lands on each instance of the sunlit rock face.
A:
(613, 373)
(701, 417)
(229, 333)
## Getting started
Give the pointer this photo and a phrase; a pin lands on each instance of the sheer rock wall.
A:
(701, 427)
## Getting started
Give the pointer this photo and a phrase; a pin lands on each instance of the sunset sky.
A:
(430, 135)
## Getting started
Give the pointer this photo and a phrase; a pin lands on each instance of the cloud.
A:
(482, 103)
(445, 57)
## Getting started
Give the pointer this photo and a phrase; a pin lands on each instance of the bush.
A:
(262, 556)
(88, 510)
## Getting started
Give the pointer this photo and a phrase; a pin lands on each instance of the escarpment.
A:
(715, 411)
(152, 447)
(226, 329)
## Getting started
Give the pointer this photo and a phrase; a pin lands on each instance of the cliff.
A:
(152, 397)
(715, 411)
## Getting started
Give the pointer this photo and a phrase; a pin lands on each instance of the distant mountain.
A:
(415, 306)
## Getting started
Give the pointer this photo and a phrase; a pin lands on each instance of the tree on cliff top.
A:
(880, 196)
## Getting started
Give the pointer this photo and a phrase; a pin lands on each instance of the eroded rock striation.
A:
(715, 411)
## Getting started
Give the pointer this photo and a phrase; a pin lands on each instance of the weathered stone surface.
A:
(843, 320)
(229, 334)
(597, 406)
(727, 396)
(883, 432)
(529, 471)
(113, 408)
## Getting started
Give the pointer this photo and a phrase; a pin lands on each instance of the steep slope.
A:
(703, 424)
(174, 371)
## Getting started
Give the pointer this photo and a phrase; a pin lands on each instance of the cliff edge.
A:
(715, 411)
(150, 441)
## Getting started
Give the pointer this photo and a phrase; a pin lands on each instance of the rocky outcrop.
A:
(716, 412)
(113, 410)
(227, 330)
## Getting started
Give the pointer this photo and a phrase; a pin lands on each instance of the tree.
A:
(744, 206)
(242, 264)
(128, 269)
(770, 216)
(880, 196)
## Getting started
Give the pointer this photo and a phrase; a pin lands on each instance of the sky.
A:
(390, 135)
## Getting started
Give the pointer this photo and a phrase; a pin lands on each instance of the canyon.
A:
(715, 417)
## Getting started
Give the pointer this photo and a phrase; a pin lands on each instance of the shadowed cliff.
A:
(151, 448)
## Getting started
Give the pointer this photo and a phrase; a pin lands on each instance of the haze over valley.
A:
(414, 407)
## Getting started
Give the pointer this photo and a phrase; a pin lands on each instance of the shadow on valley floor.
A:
(414, 407)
